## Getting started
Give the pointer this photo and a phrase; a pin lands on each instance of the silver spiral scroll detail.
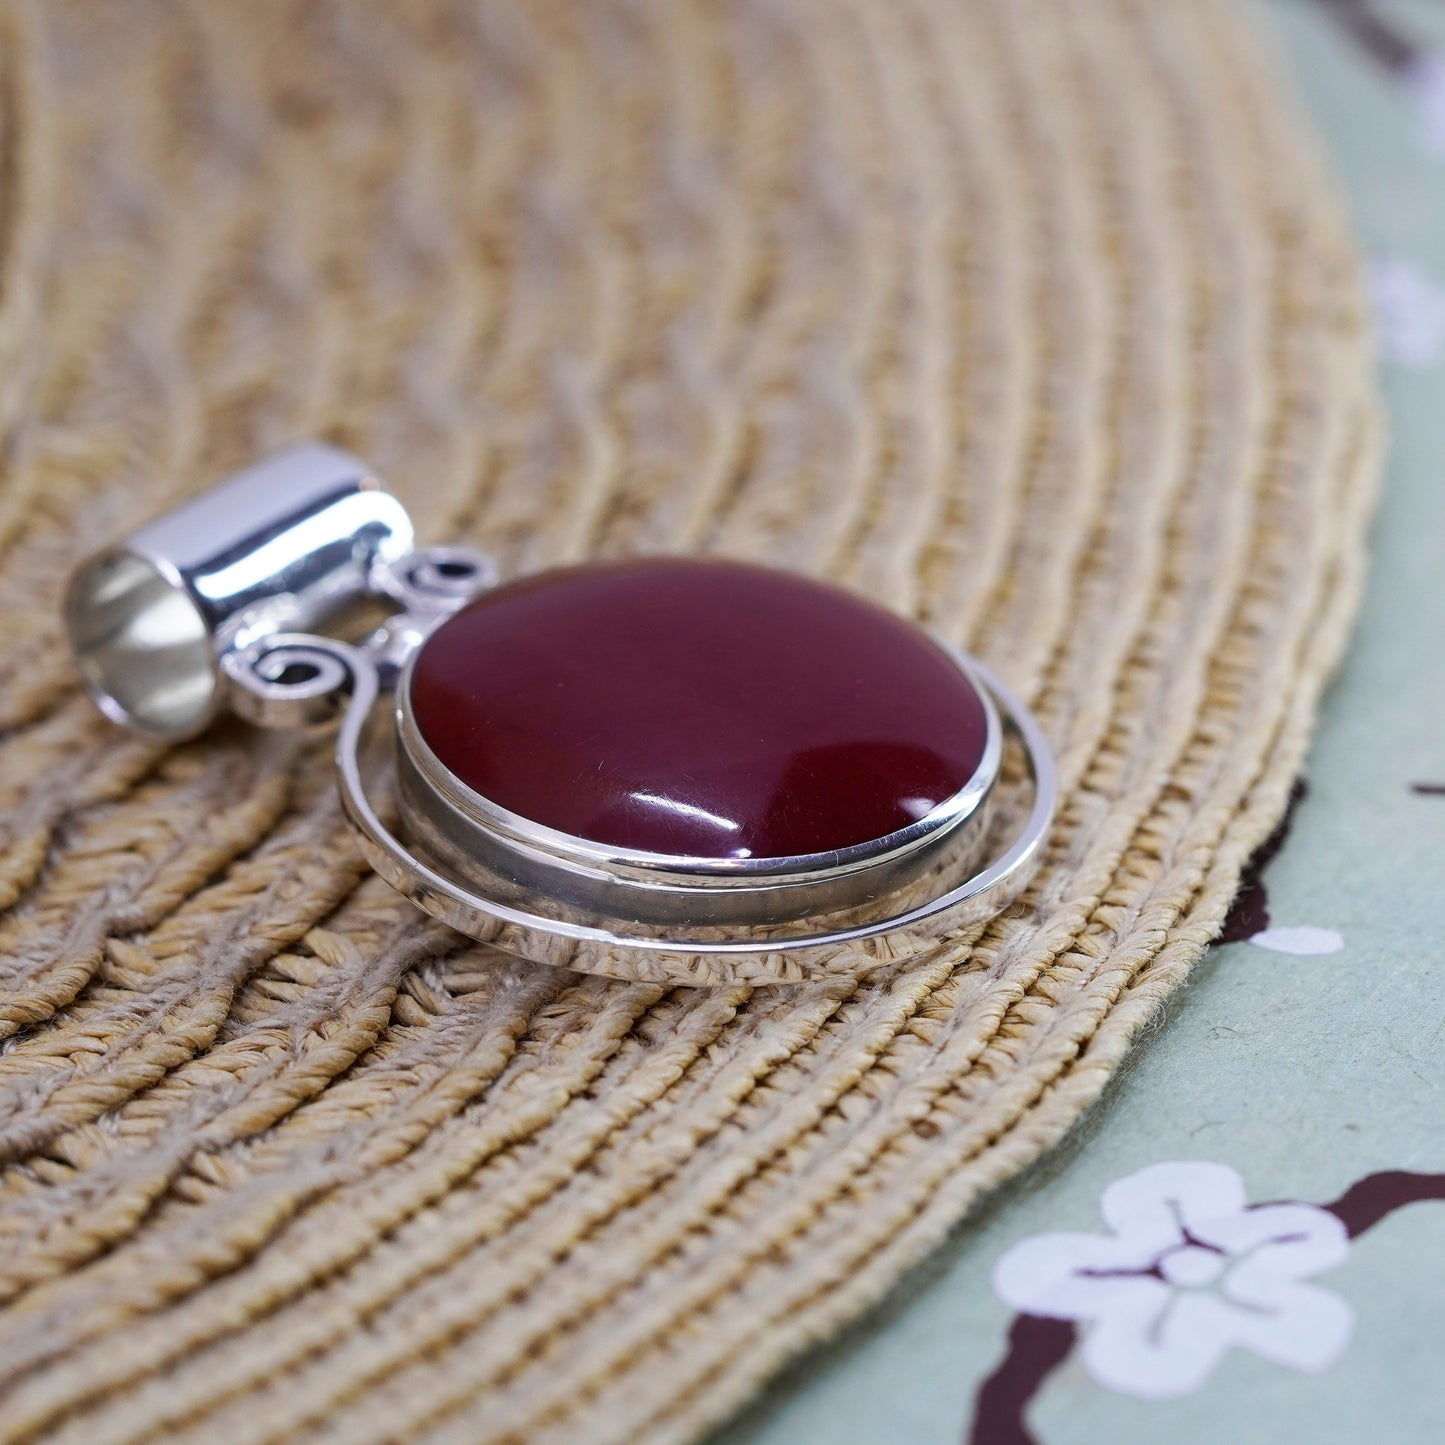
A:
(292, 679)
(436, 579)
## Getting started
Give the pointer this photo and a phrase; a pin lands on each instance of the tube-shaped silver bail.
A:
(278, 547)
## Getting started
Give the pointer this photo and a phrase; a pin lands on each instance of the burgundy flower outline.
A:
(1039, 1343)
(1189, 1271)
(1414, 66)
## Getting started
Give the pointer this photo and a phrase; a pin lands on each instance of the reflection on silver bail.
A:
(281, 546)
(214, 606)
(182, 618)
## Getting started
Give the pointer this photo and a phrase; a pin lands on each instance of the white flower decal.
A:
(1301, 939)
(1190, 1271)
(1410, 307)
(1425, 85)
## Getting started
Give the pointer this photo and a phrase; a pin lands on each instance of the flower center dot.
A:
(1192, 1267)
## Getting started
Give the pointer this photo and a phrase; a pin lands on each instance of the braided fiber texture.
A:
(1034, 319)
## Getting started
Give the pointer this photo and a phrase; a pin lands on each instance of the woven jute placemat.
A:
(1036, 320)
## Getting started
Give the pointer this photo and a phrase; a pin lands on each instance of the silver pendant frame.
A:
(231, 583)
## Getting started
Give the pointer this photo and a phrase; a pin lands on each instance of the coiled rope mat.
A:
(1036, 319)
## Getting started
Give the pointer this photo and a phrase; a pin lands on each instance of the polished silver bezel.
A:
(934, 909)
(513, 858)
(535, 839)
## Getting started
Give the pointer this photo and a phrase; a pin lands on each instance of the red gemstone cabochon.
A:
(697, 708)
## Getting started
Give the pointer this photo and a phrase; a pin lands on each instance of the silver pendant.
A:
(680, 770)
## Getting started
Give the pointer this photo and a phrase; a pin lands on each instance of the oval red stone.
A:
(697, 708)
